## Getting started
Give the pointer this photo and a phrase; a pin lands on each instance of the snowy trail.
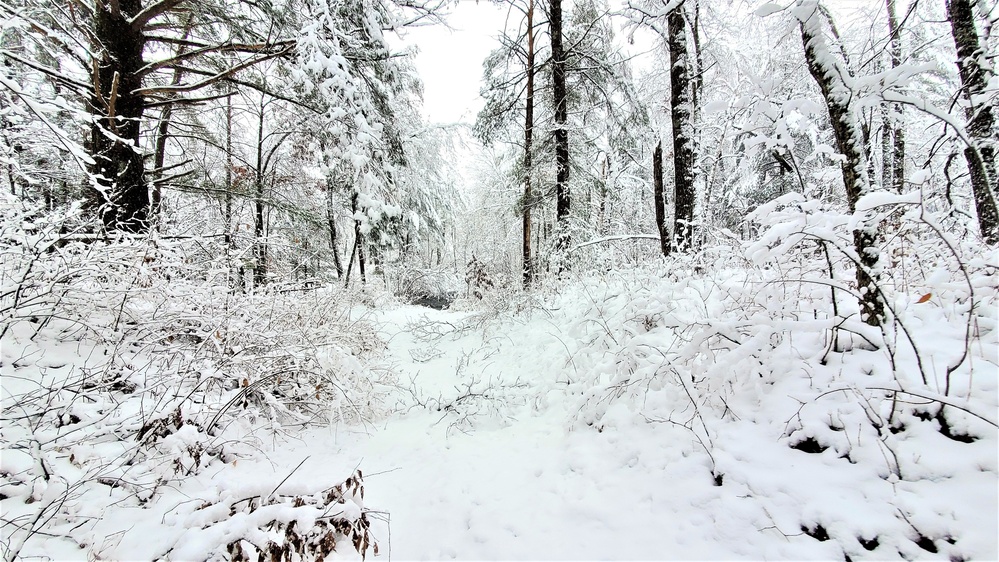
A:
(523, 486)
(484, 452)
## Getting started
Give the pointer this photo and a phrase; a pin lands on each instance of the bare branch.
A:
(214, 78)
(142, 18)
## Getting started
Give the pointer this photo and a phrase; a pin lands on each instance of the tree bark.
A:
(658, 198)
(528, 272)
(234, 279)
(850, 142)
(681, 105)
(887, 148)
(350, 262)
(121, 197)
(358, 240)
(331, 223)
(260, 245)
(561, 135)
(897, 119)
(10, 168)
(981, 153)
(604, 219)
(159, 156)
(697, 82)
(163, 132)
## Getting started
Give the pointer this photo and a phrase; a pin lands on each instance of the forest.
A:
(702, 279)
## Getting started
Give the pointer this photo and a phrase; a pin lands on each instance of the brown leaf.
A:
(924, 298)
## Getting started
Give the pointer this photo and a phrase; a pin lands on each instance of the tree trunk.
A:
(850, 142)
(561, 135)
(658, 198)
(163, 130)
(358, 240)
(981, 153)
(528, 134)
(697, 82)
(350, 262)
(604, 193)
(121, 197)
(331, 222)
(10, 168)
(360, 254)
(159, 156)
(234, 279)
(260, 245)
(897, 119)
(681, 105)
(887, 150)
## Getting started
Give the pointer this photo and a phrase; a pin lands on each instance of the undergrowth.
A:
(131, 367)
(748, 332)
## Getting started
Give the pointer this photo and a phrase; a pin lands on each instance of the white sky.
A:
(450, 61)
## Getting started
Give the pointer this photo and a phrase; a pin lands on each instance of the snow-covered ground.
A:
(512, 481)
(486, 464)
(631, 416)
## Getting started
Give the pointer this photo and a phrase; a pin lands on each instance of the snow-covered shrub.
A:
(722, 346)
(425, 286)
(477, 278)
(245, 525)
(129, 371)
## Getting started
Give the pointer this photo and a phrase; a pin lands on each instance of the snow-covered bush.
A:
(749, 333)
(128, 372)
(434, 287)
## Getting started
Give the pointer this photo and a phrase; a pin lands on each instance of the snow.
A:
(648, 413)
(517, 483)
(724, 405)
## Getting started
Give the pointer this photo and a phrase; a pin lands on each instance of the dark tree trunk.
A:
(528, 138)
(897, 119)
(235, 280)
(260, 244)
(331, 222)
(658, 196)
(10, 169)
(604, 193)
(887, 149)
(159, 157)
(122, 197)
(360, 253)
(163, 131)
(981, 154)
(358, 241)
(850, 142)
(350, 263)
(697, 82)
(681, 105)
(561, 135)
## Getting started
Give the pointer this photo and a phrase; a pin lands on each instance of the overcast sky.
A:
(450, 61)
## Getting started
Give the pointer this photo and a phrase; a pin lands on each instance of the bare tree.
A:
(562, 201)
(828, 74)
(980, 154)
(659, 201)
(528, 138)
(681, 106)
(894, 122)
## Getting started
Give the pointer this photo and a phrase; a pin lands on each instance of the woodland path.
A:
(513, 481)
